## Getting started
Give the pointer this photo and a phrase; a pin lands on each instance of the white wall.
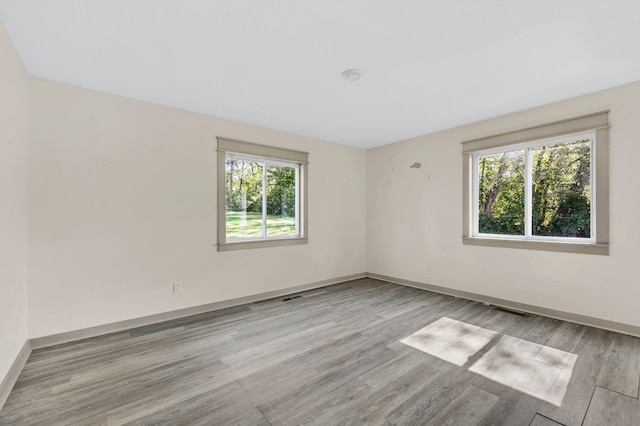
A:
(13, 203)
(415, 218)
(122, 201)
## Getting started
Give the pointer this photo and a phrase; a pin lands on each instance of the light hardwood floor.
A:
(330, 356)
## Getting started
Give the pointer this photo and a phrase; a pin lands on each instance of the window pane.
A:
(501, 193)
(281, 200)
(562, 189)
(244, 198)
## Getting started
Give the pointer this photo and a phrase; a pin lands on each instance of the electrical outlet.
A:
(177, 286)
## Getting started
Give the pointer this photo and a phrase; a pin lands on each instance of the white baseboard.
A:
(70, 336)
(538, 310)
(12, 375)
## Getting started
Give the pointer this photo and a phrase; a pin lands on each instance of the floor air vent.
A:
(291, 297)
(509, 311)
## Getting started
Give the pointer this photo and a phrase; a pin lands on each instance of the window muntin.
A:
(262, 198)
(540, 190)
(262, 195)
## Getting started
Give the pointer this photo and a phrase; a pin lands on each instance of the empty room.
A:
(319, 212)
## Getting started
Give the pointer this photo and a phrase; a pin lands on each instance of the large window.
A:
(261, 196)
(539, 190)
(543, 188)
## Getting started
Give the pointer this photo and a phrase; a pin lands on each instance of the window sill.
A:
(276, 242)
(558, 246)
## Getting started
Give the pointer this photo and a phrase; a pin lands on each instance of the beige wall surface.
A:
(122, 198)
(14, 96)
(414, 218)
(122, 203)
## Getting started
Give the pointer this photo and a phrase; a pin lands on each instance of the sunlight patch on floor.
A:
(537, 370)
(531, 368)
(450, 340)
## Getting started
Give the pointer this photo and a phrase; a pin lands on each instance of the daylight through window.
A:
(541, 188)
(261, 196)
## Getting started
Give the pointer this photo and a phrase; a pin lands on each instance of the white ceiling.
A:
(427, 65)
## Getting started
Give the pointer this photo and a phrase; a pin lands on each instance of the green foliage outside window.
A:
(561, 191)
(501, 193)
(245, 187)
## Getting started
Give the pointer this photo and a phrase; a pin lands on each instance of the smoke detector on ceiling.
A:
(351, 74)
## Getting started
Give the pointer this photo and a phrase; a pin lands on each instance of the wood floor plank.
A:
(620, 370)
(226, 404)
(437, 392)
(517, 410)
(314, 399)
(612, 409)
(468, 408)
(379, 403)
(591, 350)
(397, 366)
(331, 356)
(540, 420)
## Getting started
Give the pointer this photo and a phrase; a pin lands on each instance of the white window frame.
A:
(528, 187)
(592, 126)
(265, 163)
(266, 155)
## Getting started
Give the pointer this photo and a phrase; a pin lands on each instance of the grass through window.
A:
(249, 225)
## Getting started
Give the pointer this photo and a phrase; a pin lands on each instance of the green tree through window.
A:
(548, 184)
(260, 198)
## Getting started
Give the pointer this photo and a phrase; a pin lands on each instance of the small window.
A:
(261, 196)
(546, 194)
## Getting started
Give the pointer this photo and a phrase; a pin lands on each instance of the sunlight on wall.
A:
(537, 370)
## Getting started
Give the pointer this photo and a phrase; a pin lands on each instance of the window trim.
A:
(270, 153)
(596, 123)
